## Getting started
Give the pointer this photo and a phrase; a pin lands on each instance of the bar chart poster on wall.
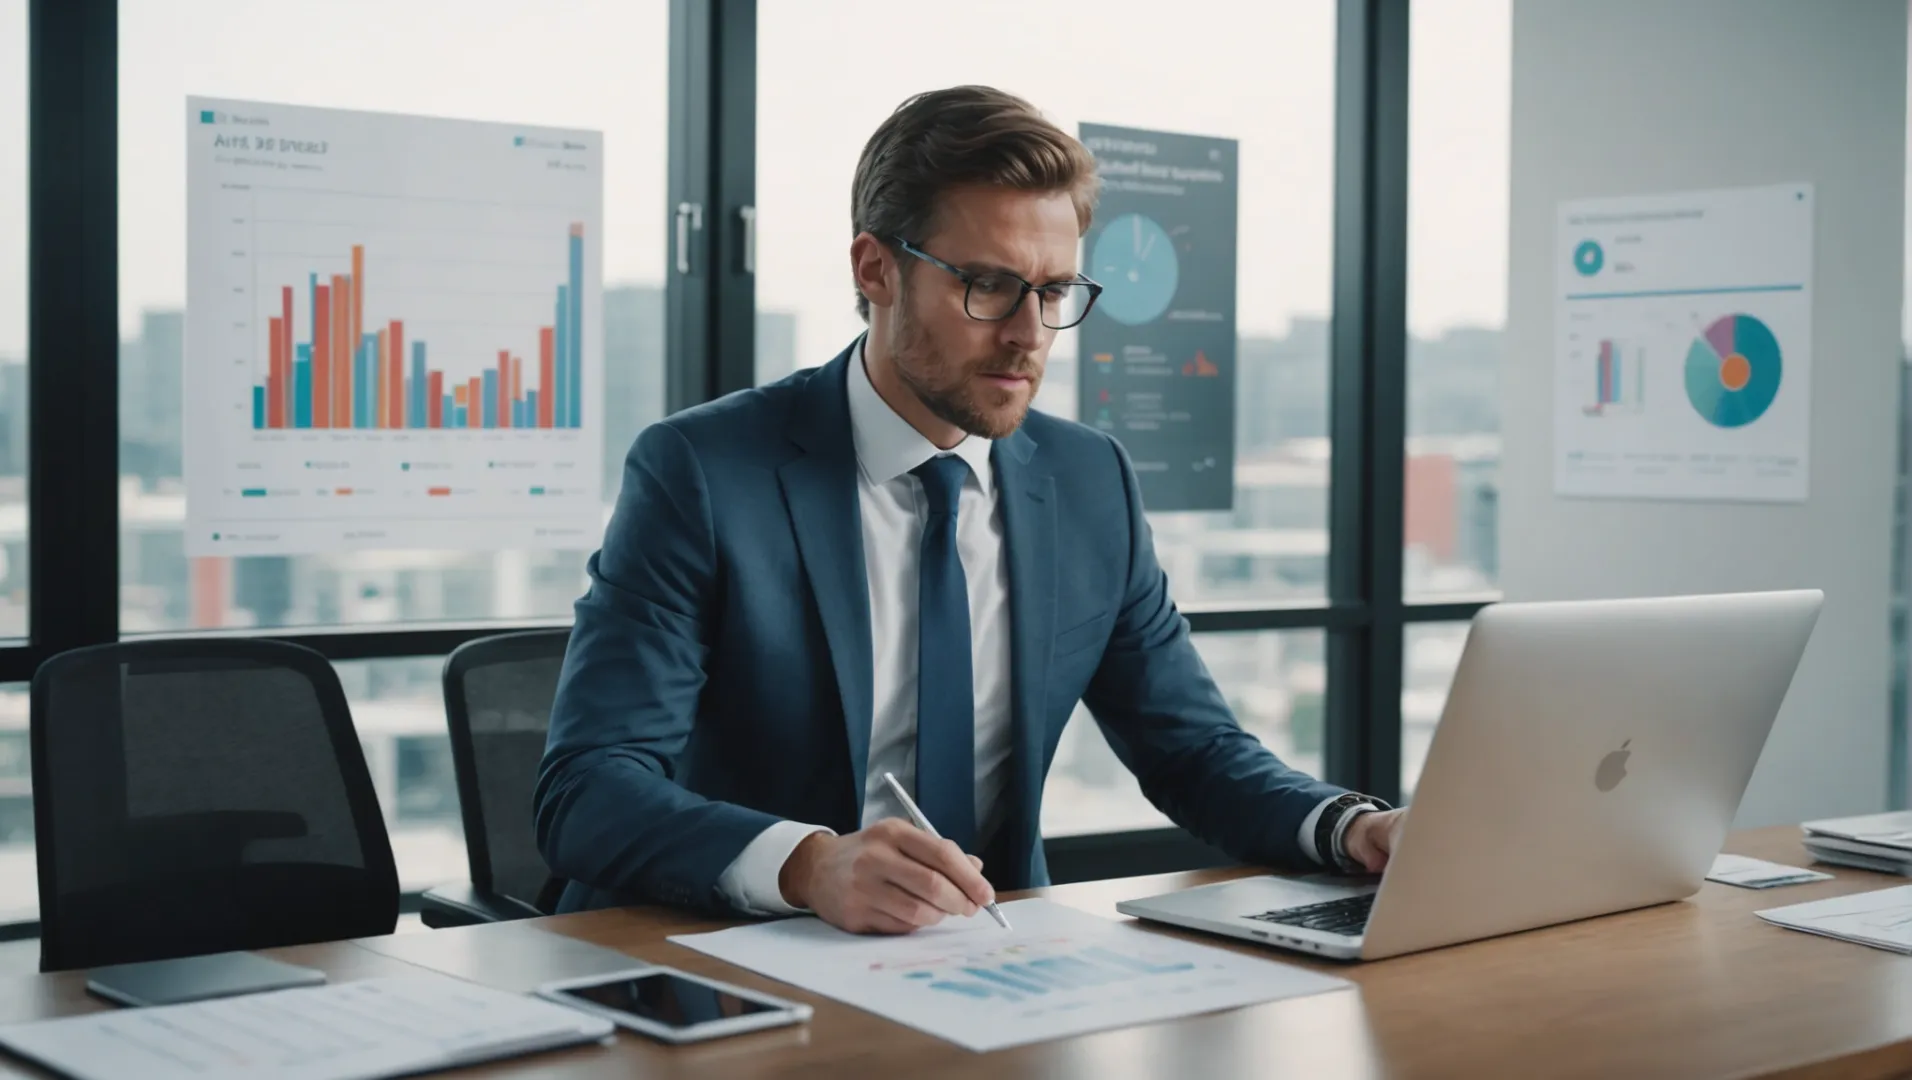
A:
(1683, 345)
(1158, 349)
(394, 332)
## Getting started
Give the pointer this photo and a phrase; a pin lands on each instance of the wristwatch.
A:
(1333, 824)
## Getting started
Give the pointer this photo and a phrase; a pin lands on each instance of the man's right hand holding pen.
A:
(890, 878)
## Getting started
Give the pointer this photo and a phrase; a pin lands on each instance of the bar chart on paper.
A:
(1060, 972)
(394, 332)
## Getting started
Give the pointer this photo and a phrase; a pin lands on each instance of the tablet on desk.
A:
(197, 978)
(674, 1006)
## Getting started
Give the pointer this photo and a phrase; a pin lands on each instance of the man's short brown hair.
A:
(960, 136)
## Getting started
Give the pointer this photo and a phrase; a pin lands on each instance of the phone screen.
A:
(668, 999)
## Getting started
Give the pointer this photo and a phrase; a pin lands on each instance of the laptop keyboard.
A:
(1347, 916)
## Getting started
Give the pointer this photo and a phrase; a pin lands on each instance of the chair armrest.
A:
(459, 904)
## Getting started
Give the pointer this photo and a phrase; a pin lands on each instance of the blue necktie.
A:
(945, 700)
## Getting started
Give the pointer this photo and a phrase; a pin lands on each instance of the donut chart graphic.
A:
(1733, 371)
(1135, 261)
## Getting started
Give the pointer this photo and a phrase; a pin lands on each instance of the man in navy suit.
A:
(890, 565)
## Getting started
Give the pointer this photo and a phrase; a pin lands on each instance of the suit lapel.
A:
(819, 490)
(1029, 532)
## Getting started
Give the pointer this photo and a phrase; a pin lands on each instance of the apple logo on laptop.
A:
(1613, 768)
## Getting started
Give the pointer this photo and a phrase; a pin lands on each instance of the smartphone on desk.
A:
(674, 1006)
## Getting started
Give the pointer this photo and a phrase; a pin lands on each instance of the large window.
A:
(398, 707)
(596, 66)
(19, 896)
(1273, 681)
(13, 321)
(1458, 117)
(1293, 648)
(1430, 654)
(828, 73)
(1459, 87)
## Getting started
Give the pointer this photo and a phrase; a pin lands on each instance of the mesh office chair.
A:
(498, 695)
(199, 796)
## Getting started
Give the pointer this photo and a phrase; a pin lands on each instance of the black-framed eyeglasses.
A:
(995, 295)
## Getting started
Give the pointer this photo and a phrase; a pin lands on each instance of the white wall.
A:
(1638, 96)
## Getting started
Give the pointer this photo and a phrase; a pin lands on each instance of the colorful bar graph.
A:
(574, 412)
(415, 397)
(367, 380)
(326, 368)
(560, 391)
(302, 387)
(285, 353)
(395, 376)
(383, 392)
(516, 392)
(341, 415)
(500, 397)
(546, 373)
(357, 329)
(275, 378)
(322, 356)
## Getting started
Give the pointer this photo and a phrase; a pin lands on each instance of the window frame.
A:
(73, 358)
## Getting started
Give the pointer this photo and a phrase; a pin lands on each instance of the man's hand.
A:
(1371, 837)
(890, 878)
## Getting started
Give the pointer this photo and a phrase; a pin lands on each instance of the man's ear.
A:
(874, 269)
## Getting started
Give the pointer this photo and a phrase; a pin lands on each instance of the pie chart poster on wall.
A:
(1158, 350)
(1683, 345)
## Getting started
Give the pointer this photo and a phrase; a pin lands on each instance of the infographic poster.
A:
(394, 332)
(1158, 350)
(1683, 345)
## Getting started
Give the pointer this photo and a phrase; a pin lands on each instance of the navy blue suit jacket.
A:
(719, 673)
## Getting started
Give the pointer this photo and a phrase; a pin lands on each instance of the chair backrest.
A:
(197, 796)
(498, 695)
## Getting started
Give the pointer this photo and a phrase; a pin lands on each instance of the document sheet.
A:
(1881, 918)
(1890, 830)
(348, 1031)
(1748, 873)
(1060, 972)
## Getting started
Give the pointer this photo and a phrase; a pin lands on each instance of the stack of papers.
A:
(1059, 972)
(1881, 842)
(1881, 919)
(350, 1031)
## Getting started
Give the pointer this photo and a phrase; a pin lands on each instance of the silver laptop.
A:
(1590, 760)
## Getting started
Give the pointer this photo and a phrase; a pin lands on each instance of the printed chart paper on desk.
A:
(1060, 972)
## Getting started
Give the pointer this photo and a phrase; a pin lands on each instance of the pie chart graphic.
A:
(1135, 261)
(1733, 371)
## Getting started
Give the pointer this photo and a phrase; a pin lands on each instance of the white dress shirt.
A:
(894, 510)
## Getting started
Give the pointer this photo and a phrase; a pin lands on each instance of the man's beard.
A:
(956, 402)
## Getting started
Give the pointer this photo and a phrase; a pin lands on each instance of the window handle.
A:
(690, 216)
(749, 216)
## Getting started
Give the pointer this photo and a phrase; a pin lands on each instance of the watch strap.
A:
(1332, 825)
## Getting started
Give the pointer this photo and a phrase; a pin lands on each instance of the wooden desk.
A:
(1695, 989)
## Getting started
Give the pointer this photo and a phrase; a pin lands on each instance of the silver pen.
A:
(922, 823)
